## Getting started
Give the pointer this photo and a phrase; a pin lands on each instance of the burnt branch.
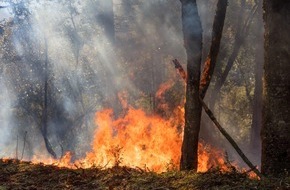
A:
(180, 69)
(211, 59)
(227, 136)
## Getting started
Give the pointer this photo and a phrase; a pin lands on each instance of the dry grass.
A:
(25, 175)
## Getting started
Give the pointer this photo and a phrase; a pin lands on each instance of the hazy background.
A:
(97, 53)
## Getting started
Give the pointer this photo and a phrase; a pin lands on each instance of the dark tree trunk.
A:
(276, 104)
(209, 65)
(236, 49)
(211, 59)
(192, 32)
(44, 120)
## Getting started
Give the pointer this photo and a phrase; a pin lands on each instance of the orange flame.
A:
(136, 140)
(143, 141)
(140, 140)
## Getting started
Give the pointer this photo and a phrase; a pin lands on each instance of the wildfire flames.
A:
(135, 140)
(139, 140)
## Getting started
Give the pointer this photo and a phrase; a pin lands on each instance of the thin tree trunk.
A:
(237, 45)
(211, 59)
(44, 120)
(192, 32)
(209, 66)
(239, 41)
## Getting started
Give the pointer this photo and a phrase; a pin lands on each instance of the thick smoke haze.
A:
(89, 64)
(86, 69)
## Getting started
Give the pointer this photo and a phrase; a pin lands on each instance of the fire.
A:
(138, 140)
(143, 141)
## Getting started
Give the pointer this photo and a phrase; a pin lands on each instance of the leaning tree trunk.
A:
(192, 32)
(276, 104)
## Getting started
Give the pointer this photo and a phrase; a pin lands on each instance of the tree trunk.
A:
(276, 104)
(211, 59)
(236, 49)
(44, 120)
(192, 32)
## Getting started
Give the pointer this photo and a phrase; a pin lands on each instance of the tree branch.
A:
(180, 69)
(211, 59)
(224, 132)
(239, 41)
(229, 138)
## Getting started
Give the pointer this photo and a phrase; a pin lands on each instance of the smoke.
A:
(6, 119)
(88, 69)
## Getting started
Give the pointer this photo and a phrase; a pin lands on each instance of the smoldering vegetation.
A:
(62, 61)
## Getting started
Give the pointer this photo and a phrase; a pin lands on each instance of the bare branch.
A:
(211, 59)
(227, 136)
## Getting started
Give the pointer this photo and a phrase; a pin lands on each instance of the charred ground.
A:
(25, 175)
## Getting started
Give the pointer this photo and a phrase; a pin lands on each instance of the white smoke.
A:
(6, 120)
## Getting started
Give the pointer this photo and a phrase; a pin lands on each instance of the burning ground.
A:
(113, 161)
(138, 140)
(26, 175)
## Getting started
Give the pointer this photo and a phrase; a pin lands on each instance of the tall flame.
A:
(143, 141)
(137, 139)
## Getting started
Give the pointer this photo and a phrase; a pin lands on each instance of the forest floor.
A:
(25, 175)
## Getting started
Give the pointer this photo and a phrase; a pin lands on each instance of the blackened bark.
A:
(237, 45)
(276, 103)
(211, 59)
(192, 32)
(217, 124)
(229, 138)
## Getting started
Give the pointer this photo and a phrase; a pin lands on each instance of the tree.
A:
(276, 103)
(197, 86)
(192, 32)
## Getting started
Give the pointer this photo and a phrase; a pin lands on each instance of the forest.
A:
(144, 94)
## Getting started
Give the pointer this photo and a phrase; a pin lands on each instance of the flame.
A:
(136, 140)
(140, 140)
(143, 141)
